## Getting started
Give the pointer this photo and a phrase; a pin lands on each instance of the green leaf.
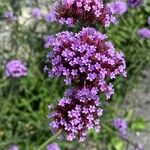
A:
(138, 124)
(117, 143)
(129, 115)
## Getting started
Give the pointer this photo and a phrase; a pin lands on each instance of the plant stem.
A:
(49, 140)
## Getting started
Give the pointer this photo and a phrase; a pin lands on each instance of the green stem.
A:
(49, 140)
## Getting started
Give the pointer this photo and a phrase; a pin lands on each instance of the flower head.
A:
(13, 147)
(134, 3)
(36, 12)
(86, 12)
(121, 125)
(9, 15)
(84, 58)
(15, 68)
(144, 33)
(53, 146)
(76, 112)
(119, 7)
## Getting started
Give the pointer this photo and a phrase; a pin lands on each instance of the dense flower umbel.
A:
(119, 7)
(15, 68)
(84, 58)
(9, 15)
(53, 146)
(134, 3)
(121, 125)
(85, 12)
(76, 112)
(144, 33)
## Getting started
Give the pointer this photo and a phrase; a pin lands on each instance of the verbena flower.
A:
(144, 33)
(148, 21)
(76, 112)
(121, 125)
(13, 147)
(84, 58)
(138, 146)
(52, 146)
(118, 7)
(47, 41)
(134, 3)
(9, 15)
(85, 12)
(36, 12)
(15, 68)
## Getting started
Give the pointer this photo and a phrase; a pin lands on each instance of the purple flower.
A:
(71, 12)
(9, 16)
(76, 113)
(134, 3)
(15, 68)
(148, 21)
(48, 39)
(36, 12)
(144, 33)
(13, 147)
(119, 7)
(121, 125)
(138, 146)
(53, 146)
(84, 58)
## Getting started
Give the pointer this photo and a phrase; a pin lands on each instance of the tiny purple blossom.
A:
(52, 146)
(48, 39)
(121, 125)
(36, 12)
(9, 15)
(138, 146)
(134, 3)
(15, 68)
(50, 17)
(144, 33)
(13, 147)
(119, 7)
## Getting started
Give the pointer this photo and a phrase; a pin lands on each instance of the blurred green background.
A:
(24, 101)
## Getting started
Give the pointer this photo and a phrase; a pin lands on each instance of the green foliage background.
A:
(24, 101)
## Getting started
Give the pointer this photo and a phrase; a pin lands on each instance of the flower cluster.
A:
(53, 146)
(85, 12)
(85, 58)
(15, 68)
(121, 125)
(36, 13)
(144, 33)
(119, 7)
(76, 112)
(134, 3)
(9, 15)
